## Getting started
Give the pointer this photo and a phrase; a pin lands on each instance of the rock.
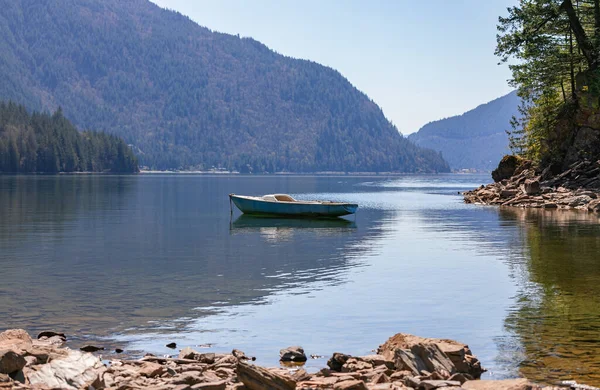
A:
(15, 339)
(189, 353)
(118, 350)
(48, 334)
(405, 360)
(189, 378)
(434, 359)
(459, 354)
(171, 345)
(435, 384)
(220, 385)
(353, 365)
(258, 378)
(508, 193)
(594, 205)
(151, 370)
(11, 362)
(72, 371)
(377, 360)
(317, 383)
(91, 348)
(292, 354)
(350, 385)
(411, 381)
(380, 378)
(506, 168)
(531, 186)
(460, 377)
(507, 384)
(239, 354)
(337, 361)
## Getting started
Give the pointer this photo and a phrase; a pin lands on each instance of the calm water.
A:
(141, 261)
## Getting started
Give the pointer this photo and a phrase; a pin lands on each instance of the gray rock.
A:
(531, 186)
(292, 354)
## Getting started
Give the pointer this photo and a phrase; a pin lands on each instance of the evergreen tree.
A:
(555, 44)
(50, 144)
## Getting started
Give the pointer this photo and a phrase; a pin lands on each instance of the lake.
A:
(141, 261)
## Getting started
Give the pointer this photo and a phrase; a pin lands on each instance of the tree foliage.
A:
(555, 46)
(41, 142)
(187, 97)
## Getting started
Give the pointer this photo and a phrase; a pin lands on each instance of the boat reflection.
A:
(283, 229)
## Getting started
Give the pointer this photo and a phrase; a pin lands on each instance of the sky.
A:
(419, 60)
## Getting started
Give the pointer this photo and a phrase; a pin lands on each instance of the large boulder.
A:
(73, 371)
(506, 168)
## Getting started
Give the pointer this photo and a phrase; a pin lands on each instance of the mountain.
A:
(185, 96)
(476, 139)
(45, 143)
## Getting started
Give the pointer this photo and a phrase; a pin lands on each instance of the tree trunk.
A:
(571, 66)
(583, 42)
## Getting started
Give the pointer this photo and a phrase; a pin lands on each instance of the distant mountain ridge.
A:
(187, 97)
(476, 139)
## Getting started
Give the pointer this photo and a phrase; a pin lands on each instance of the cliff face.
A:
(577, 136)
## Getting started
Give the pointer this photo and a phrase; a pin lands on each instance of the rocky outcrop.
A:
(402, 362)
(507, 168)
(461, 359)
(578, 187)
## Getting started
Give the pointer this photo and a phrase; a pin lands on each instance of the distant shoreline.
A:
(320, 173)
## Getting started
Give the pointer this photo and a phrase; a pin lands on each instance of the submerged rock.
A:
(292, 354)
(91, 348)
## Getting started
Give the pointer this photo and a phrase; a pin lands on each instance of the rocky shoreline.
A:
(519, 184)
(402, 362)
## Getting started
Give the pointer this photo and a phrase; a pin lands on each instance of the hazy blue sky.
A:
(419, 60)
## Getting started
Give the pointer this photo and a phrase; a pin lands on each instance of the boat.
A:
(283, 205)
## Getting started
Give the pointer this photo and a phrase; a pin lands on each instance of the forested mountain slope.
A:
(189, 97)
(45, 143)
(476, 139)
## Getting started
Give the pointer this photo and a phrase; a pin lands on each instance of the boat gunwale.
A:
(305, 202)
